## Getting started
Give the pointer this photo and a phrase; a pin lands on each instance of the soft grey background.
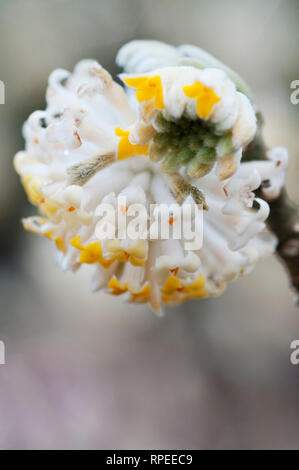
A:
(88, 371)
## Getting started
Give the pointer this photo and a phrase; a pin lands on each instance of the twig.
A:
(284, 222)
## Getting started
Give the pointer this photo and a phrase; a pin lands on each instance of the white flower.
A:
(272, 171)
(173, 99)
(180, 141)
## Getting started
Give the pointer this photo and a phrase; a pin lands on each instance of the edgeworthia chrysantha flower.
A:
(173, 134)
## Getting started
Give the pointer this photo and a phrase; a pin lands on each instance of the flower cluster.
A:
(174, 134)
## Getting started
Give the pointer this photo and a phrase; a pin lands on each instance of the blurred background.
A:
(87, 371)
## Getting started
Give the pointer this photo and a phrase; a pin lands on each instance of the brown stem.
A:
(284, 222)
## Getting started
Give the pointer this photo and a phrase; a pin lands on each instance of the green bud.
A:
(176, 142)
(161, 124)
(224, 146)
(185, 155)
(194, 142)
(210, 140)
(196, 169)
(161, 139)
(157, 151)
(170, 162)
(206, 155)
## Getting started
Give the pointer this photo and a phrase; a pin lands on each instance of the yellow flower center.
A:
(125, 148)
(141, 296)
(148, 88)
(136, 254)
(205, 98)
(174, 291)
(91, 253)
